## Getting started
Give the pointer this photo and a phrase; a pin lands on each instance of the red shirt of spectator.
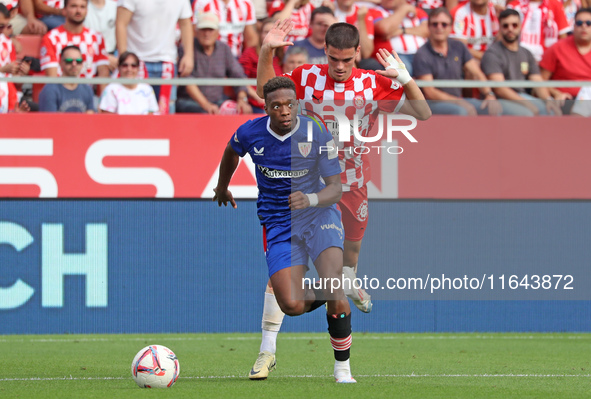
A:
(565, 62)
(10, 4)
(91, 45)
(7, 55)
(429, 4)
(300, 17)
(234, 16)
(405, 43)
(351, 18)
(478, 30)
(542, 22)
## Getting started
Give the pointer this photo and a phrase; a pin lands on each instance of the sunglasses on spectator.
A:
(580, 23)
(443, 24)
(4, 26)
(128, 65)
(71, 60)
(513, 25)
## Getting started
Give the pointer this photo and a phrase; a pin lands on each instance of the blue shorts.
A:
(291, 243)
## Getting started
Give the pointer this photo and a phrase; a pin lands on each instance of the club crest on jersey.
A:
(305, 148)
(359, 101)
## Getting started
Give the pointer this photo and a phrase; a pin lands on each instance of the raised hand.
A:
(276, 36)
(395, 68)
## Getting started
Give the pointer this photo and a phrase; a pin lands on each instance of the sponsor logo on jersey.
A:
(259, 151)
(282, 174)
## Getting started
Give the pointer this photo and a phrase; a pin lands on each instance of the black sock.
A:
(339, 328)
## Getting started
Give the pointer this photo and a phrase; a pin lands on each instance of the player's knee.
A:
(292, 307)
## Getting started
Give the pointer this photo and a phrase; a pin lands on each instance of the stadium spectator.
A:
(445, 58)
(294, 57)
(322, 19)
(429, 5)
(543, 23)
(300, 13)
(9, 65)
(128, 99)
(570, 59)
(213, 59)
(508, 60)
(363, 18)
(237, 22)
(73, 32)
(249, 60)
(582, 106)
(476, 25)
(68, 97)
(23, 19)
(100, 17)
(571, 7)
(148, 30)
(401, 28)
(51, 12)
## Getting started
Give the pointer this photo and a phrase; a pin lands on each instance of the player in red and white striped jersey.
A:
(401, 28)
(543, 23)
(300, 13)
(73, 32)
(237, 22)
(340, 88)
(476, 25)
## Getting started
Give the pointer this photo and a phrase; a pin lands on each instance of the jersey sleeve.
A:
(238, 141)
(48, 54)
(296, 77)
(389, 93)
(328, 162)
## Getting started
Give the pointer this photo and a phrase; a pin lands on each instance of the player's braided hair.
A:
(342, 36)
(279, 82)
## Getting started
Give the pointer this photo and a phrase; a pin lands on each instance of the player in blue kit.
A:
(297, 209)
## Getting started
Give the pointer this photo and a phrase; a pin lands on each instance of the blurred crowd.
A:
(482, 40)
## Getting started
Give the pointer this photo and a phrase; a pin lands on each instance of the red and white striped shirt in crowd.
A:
(53, 4)
(542, 23)
(406, 43)
(318, 93)
(10, 4)
(351, 18)
(7, 55)
(234, 16)
(478, 30)
(91, 45)
(300, 17)
(429, 4)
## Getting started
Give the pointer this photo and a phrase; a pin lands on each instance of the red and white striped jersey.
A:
(542, 22)
(10, 4)
(90, 42)
(479, 30)
(300, 17)
(429, 4)
(351, 18)
(53, 4)
(318, 94)
(234, 16)
(407, 43)
(7, 55)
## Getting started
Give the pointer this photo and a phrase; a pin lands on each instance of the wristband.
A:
(403, 75)
(313, 199)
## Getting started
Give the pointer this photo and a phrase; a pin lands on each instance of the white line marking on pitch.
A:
(304, 337)
(318, 376)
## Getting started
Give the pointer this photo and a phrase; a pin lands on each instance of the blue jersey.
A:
(285, 164)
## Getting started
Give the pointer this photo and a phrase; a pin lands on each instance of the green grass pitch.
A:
(385, 365)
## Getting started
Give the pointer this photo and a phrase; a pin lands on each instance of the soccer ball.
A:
(155, 366)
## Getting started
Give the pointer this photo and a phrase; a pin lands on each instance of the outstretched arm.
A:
(274, 40)
(395, 69)
(228, 166)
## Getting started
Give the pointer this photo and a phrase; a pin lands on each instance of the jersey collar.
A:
(285, 136)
